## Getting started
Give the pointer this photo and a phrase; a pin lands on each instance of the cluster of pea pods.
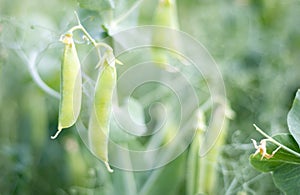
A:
(71, 95)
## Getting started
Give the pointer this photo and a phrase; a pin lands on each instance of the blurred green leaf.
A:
(253, 42)
(293, 118)
(166, 180)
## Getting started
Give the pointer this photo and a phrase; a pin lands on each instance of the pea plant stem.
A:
(127, 13)
(276, 142)
(80, 27)
(89, 37)
(31, 63)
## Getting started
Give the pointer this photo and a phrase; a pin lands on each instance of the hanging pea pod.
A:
(166, 14)
(70, 87)
(165, 39)
(210, 148)
(98, 129)
(192, 174)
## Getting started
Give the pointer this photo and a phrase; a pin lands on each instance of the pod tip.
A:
(108, 167)
(119, 62)
(56, 134)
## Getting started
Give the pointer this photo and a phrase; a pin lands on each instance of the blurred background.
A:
(256, 45)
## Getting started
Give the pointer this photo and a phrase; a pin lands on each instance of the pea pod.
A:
(163, 39)
(70, 87)
(101, 110)
(166, 14)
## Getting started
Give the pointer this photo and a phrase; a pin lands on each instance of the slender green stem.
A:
(126, 14)
(104, 45)
(276, 142)
(80, 27)
(31, 64)
(77, 27)
(89, 37)
(77, 18)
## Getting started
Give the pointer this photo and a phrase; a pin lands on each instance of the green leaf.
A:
(293, 118)
(97, 5)
(287, 178)
(280, 158)
(284, 165)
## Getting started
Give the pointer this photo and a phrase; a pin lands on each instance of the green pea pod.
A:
(70, 87)
(101, 110)
(166, 14)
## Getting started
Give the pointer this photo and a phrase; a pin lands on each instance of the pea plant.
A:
(71, 84)
(119, 97)
(284, 159)
(205, 148)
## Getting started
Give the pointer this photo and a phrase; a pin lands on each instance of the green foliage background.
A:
(255, 43)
